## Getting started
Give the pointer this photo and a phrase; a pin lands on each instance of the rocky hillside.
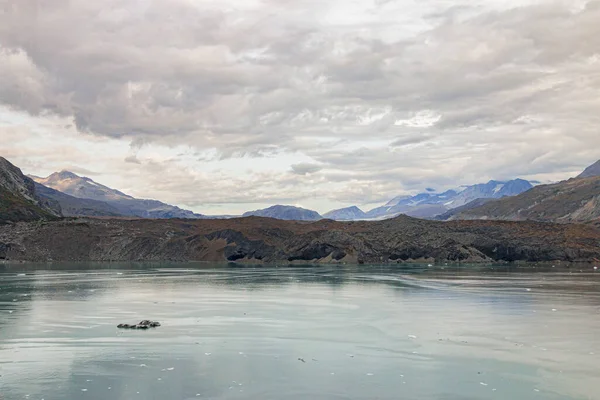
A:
(18, 198)
(448, 215)
(75, 207)
(108, 200)
(269, 240)
(289, 213)
(592, 170)
(575, 200)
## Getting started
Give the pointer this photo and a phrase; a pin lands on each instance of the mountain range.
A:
(574, 200)
(89, 198)
(31, 229)
(67, 194)
(431, 204)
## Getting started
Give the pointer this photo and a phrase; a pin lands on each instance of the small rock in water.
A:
(145, 324)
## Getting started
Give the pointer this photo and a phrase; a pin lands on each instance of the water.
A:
(347, 332)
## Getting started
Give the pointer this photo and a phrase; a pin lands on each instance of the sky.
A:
(223, 106)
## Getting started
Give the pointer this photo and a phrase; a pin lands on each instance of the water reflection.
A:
(347, 332)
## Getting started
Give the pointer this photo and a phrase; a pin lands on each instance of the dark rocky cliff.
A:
(257, 239)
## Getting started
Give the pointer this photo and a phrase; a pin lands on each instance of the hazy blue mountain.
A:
(592, 170)
(71, 206)
(286, 213)
(346, 214)
(431, 204)
(85, 188)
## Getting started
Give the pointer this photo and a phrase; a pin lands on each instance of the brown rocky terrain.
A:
(256, 239)
(574, 200)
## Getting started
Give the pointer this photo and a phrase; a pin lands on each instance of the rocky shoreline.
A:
(265, 240)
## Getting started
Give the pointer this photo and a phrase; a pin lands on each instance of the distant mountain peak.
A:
(286, 213)
(592, 170)
(64, 174)
(346, 214)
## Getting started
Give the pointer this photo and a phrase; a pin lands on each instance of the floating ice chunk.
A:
(483, 383)
(554, 309)
(207, 354)
(369, 374)
(412, 336)
(170, 369)
(84, 390)
(143, 365)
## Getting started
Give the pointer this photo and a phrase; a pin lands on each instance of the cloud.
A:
(132, 160)
(305, 168)
(379, 98)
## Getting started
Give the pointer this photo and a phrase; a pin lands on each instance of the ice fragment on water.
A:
(483, 383)
(412, 336)
(170, 369)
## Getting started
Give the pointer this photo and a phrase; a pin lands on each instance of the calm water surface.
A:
(347, 332)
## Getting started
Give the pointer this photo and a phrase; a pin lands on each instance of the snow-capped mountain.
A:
(430, 204)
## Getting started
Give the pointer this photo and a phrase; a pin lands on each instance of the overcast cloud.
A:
(226, 105)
